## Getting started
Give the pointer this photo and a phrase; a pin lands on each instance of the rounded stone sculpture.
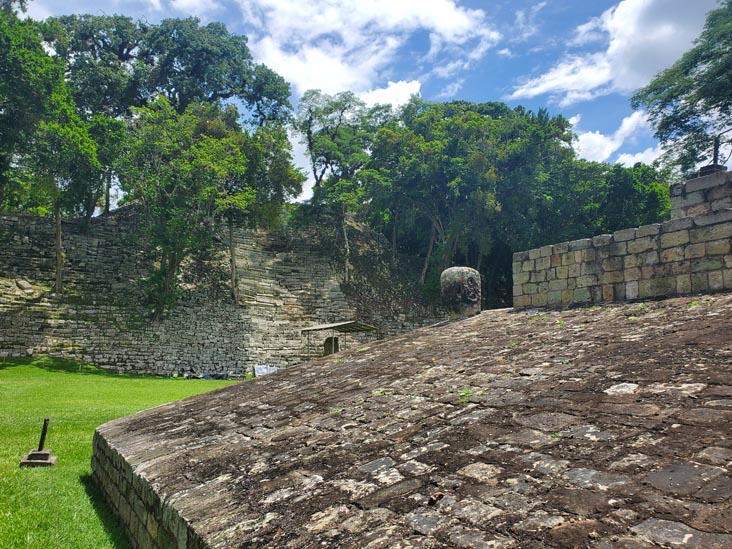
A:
(460, 291)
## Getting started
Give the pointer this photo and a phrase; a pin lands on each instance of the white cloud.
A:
(395, 93)
(642, 37)
(505, 52)
(646, 156)
(450, 90)
(336, 45)
(526, 24)
(597, 146)
(203, 9)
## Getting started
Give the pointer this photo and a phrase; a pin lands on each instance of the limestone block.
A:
(575, 270)
(560, 248)
(718, 247)
(714, 218)
(617, 248)
(707, 264)
(543, 263)
(619, 290)
(522, 301)
(648, 258)
(693, 251)
(582, 295)
(534, 254)
(539, 300)
(656, 287)
(642, 244)
(700, 282)
(677, 238)
(683, 284)
(612, 277)
(562, 272)
(624, 235)
(577, 245)
(590, 268)
(555, 260)
(677, 225)
(612, 264)
(630, 261)
(632, 274)
(521, 278)
(568, 259)
(568, 295)
(554, 298)
(545, 251)
(673, 254)
(608, 293)
(716, 280)
(531, 288)
(648, 230)
(517, 290)
(727, 277)
(559, 284)
(589, 254)
(602, 240)
(538, 276)
(712, 232)
(697, 210)
(587, 280)
(527, 266)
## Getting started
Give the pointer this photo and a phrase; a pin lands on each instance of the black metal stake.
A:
(43, 434)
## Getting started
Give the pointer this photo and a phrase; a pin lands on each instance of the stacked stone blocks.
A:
(148, 521)
(685, 255)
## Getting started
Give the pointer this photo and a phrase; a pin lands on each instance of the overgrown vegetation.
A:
(445, 183)
(61, 506)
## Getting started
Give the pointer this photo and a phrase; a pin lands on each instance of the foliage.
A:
(466, 183)
(690, 102)
(181, 168)
(30, 81)
(62, 507)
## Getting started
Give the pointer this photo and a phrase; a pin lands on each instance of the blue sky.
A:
(580, 58)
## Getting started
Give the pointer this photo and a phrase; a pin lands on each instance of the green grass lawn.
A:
(60, 507)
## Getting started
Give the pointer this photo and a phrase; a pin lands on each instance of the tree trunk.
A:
(107, 192)
(346, 250)
(232, 259)
(426, 265)
(58, 246)
(394, 237)
(169, 266)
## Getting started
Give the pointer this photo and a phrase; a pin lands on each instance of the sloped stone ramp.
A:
(599, 427)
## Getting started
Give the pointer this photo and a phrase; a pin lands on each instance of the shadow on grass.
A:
(112, 526)
(51, 364)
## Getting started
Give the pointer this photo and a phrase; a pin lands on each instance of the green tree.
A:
(690, 102)
(30, 81)
(179, 168)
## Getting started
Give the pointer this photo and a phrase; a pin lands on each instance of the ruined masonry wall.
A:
(148, 521)
(691, 253)
(285, 286)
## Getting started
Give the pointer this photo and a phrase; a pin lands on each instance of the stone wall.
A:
(285, 285)
(148, 521)
(702, 195)
(690, 253)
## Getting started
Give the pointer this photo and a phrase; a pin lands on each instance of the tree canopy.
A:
(690, 102)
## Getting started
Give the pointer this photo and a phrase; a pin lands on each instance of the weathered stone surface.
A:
(693, 250)
(460, 288)
(285, 284)
(578, 428)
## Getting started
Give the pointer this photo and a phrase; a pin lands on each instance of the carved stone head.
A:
(460, 291)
